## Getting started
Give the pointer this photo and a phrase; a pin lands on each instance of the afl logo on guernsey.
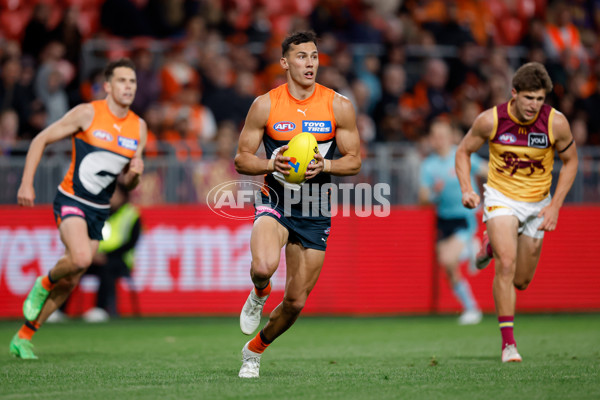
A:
(539, 140)
(284, 126)
(507, 138)
(128, 143)
(316, 126)
(102, 135)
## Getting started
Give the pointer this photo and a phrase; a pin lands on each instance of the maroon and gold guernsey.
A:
(522, 154)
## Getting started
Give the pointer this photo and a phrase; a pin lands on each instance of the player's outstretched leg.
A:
(485, 255)
(36, 298)
(252, 310)
(21, 348)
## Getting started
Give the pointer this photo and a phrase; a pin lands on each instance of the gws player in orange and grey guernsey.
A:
(273, 119)
(523, 136)
(108, 140)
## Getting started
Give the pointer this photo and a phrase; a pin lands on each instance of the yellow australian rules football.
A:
(301, 151)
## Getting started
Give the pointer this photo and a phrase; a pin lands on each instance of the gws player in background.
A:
(523, 135)
(302, 104)
(456, 225)
(108, 140)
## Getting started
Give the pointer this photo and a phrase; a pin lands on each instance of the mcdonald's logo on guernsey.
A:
(522, 131)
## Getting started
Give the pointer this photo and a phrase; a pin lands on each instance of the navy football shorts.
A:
(66, 207)
(310, 232)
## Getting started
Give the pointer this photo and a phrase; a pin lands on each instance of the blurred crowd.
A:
(201, 63)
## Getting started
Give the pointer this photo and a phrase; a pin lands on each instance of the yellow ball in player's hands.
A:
(301, 151)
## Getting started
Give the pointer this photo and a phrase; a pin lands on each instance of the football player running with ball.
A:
(300, 105)
(523, 135)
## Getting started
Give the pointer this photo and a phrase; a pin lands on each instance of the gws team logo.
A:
(294, 164)
(102, 135)
(316, 126)
(284, 126)
(507, 138)
(539, 140)
(235, 199)
(128, 143)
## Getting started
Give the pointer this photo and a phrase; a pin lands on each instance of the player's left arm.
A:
(347, 140)
(567, 152)
(135, 168)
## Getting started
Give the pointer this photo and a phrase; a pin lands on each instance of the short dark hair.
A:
(122, 62)
(297, 38)
(531, 77)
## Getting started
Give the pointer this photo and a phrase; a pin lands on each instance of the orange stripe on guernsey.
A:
(107, 132)
(290, 116)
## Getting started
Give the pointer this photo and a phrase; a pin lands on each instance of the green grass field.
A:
(319, 358)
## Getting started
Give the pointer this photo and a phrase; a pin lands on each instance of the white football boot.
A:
(510, 354)
(470, 317)
(251, 312)
(250, 363)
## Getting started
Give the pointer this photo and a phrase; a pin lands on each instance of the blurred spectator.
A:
(124, 18)
(218, 89)
(244, 94)
(199, 119)
(368, 72)
(427, 98)
(176, 73)
(36, 120)
(67, 32)
(562, 41)
(167, 17)
(367, 25)
(13, 94)
(259, 29)
(37, 31)
(54, 73)
(210, 173)
(9, 127)
(387, 112)
(330, 16)
(93, 88)
(148, 81)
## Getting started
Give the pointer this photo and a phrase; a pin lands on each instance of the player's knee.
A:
(293, 306)
(505, 266)
(263, 269)
(80, 261)
(522, 285)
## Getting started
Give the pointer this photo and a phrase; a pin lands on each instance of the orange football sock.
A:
(259, 344)
(46, 284)
(28, 330)
(264, 291)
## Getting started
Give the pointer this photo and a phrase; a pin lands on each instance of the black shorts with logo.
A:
(310, 232)
(66, 207)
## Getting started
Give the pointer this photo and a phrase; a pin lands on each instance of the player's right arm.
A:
(246, 160)
(479, 133)
(78, 118)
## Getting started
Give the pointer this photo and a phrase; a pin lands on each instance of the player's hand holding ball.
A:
(281, 162)
(302, 151)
